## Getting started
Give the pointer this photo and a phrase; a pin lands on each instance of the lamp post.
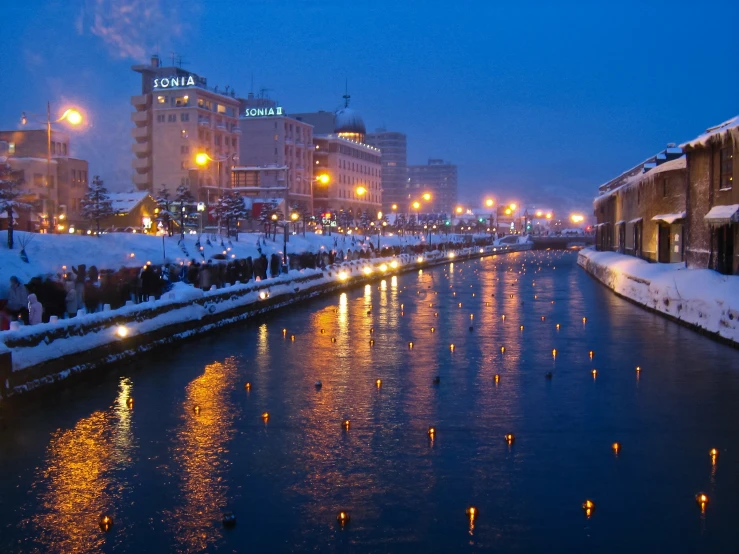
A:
(201, 209)
(71, 116)
(379, 229)
(489, 203)
(202, 159)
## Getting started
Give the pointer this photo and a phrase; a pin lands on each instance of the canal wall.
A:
(700, 299)
(43, 355)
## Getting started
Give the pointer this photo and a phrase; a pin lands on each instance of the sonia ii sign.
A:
(259, 112)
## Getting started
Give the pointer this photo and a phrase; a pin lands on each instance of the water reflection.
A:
(200, 457)
(78, 481)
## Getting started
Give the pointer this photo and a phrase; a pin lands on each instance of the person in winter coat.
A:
(17, 299)
(35, 310)
(70, 300)
(204, 277)
(274, 265)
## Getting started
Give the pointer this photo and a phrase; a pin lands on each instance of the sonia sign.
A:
(166, 82)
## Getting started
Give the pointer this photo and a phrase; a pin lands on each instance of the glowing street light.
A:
(394, 207)
(427, 197)
(416, 205)
(324, 178)
(459, 210)
(360, 190)
(577, 218)
(489, 203)
(202, 159)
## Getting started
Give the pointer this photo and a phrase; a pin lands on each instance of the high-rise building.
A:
(57, 182)
(178, 116)
(438, 178)
(347, 171)
(393, 148)
(276, 152)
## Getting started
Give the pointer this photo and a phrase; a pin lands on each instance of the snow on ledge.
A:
(700, 297)
(723, 215)
(670, 218)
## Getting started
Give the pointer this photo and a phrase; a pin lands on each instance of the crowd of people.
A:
(87, 290)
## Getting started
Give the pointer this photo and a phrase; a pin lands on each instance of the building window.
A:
(184, 149)
(171, 118)
(162, 99)
(181, 101)
(183, 133)
(184, 117)
(726, 168)
(234, 143)
(183, 164)
(64, 148)
(160, 118)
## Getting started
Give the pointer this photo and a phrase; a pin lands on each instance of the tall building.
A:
(178, 116)
(57, 184)
(393, 148)
(276, 151)
(347, 172)
(438, 178)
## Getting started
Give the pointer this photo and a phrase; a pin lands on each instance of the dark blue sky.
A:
(533, 101)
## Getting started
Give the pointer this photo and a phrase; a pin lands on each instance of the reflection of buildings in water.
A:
(77, 483)
(199, 457)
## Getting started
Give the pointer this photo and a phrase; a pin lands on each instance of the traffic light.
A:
(447, 222)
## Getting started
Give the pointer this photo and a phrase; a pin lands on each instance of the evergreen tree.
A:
(96, 203)
(11, 196)
(265, 215)
(364, 220)
(165, 214)
(185, 199)
(230, 209)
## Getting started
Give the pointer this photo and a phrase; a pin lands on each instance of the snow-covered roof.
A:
(637, 220)
(124, 202)
(713, 132)
(636, 178)
(723, 215)
(669, 218)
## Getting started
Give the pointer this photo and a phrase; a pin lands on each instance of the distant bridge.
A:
(561, 242)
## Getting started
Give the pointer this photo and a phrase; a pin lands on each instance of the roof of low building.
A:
(713, 133)
(124, 202)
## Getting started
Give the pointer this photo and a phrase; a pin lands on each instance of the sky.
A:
(536, 102)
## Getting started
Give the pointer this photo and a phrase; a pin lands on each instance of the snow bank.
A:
(50, 254)
(701, 298)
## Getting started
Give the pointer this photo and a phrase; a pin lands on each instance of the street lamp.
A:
(577, 218)
(71, 116)
(202, 159)
(361, 191)
(201, 209)
(489, 203)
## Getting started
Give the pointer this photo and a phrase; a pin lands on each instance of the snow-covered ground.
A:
(48, 254)
(700, 297)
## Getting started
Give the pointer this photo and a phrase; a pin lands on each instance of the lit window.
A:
(11, 148)
(162, 99)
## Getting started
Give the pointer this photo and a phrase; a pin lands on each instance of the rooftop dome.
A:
(349, 121)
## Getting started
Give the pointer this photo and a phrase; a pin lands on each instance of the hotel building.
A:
(393, 146)
(177, 116)
(276, 154)
(352, 168)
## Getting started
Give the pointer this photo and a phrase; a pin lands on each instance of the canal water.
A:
(166, 474)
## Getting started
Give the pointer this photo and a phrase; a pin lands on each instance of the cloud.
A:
(134, 29)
